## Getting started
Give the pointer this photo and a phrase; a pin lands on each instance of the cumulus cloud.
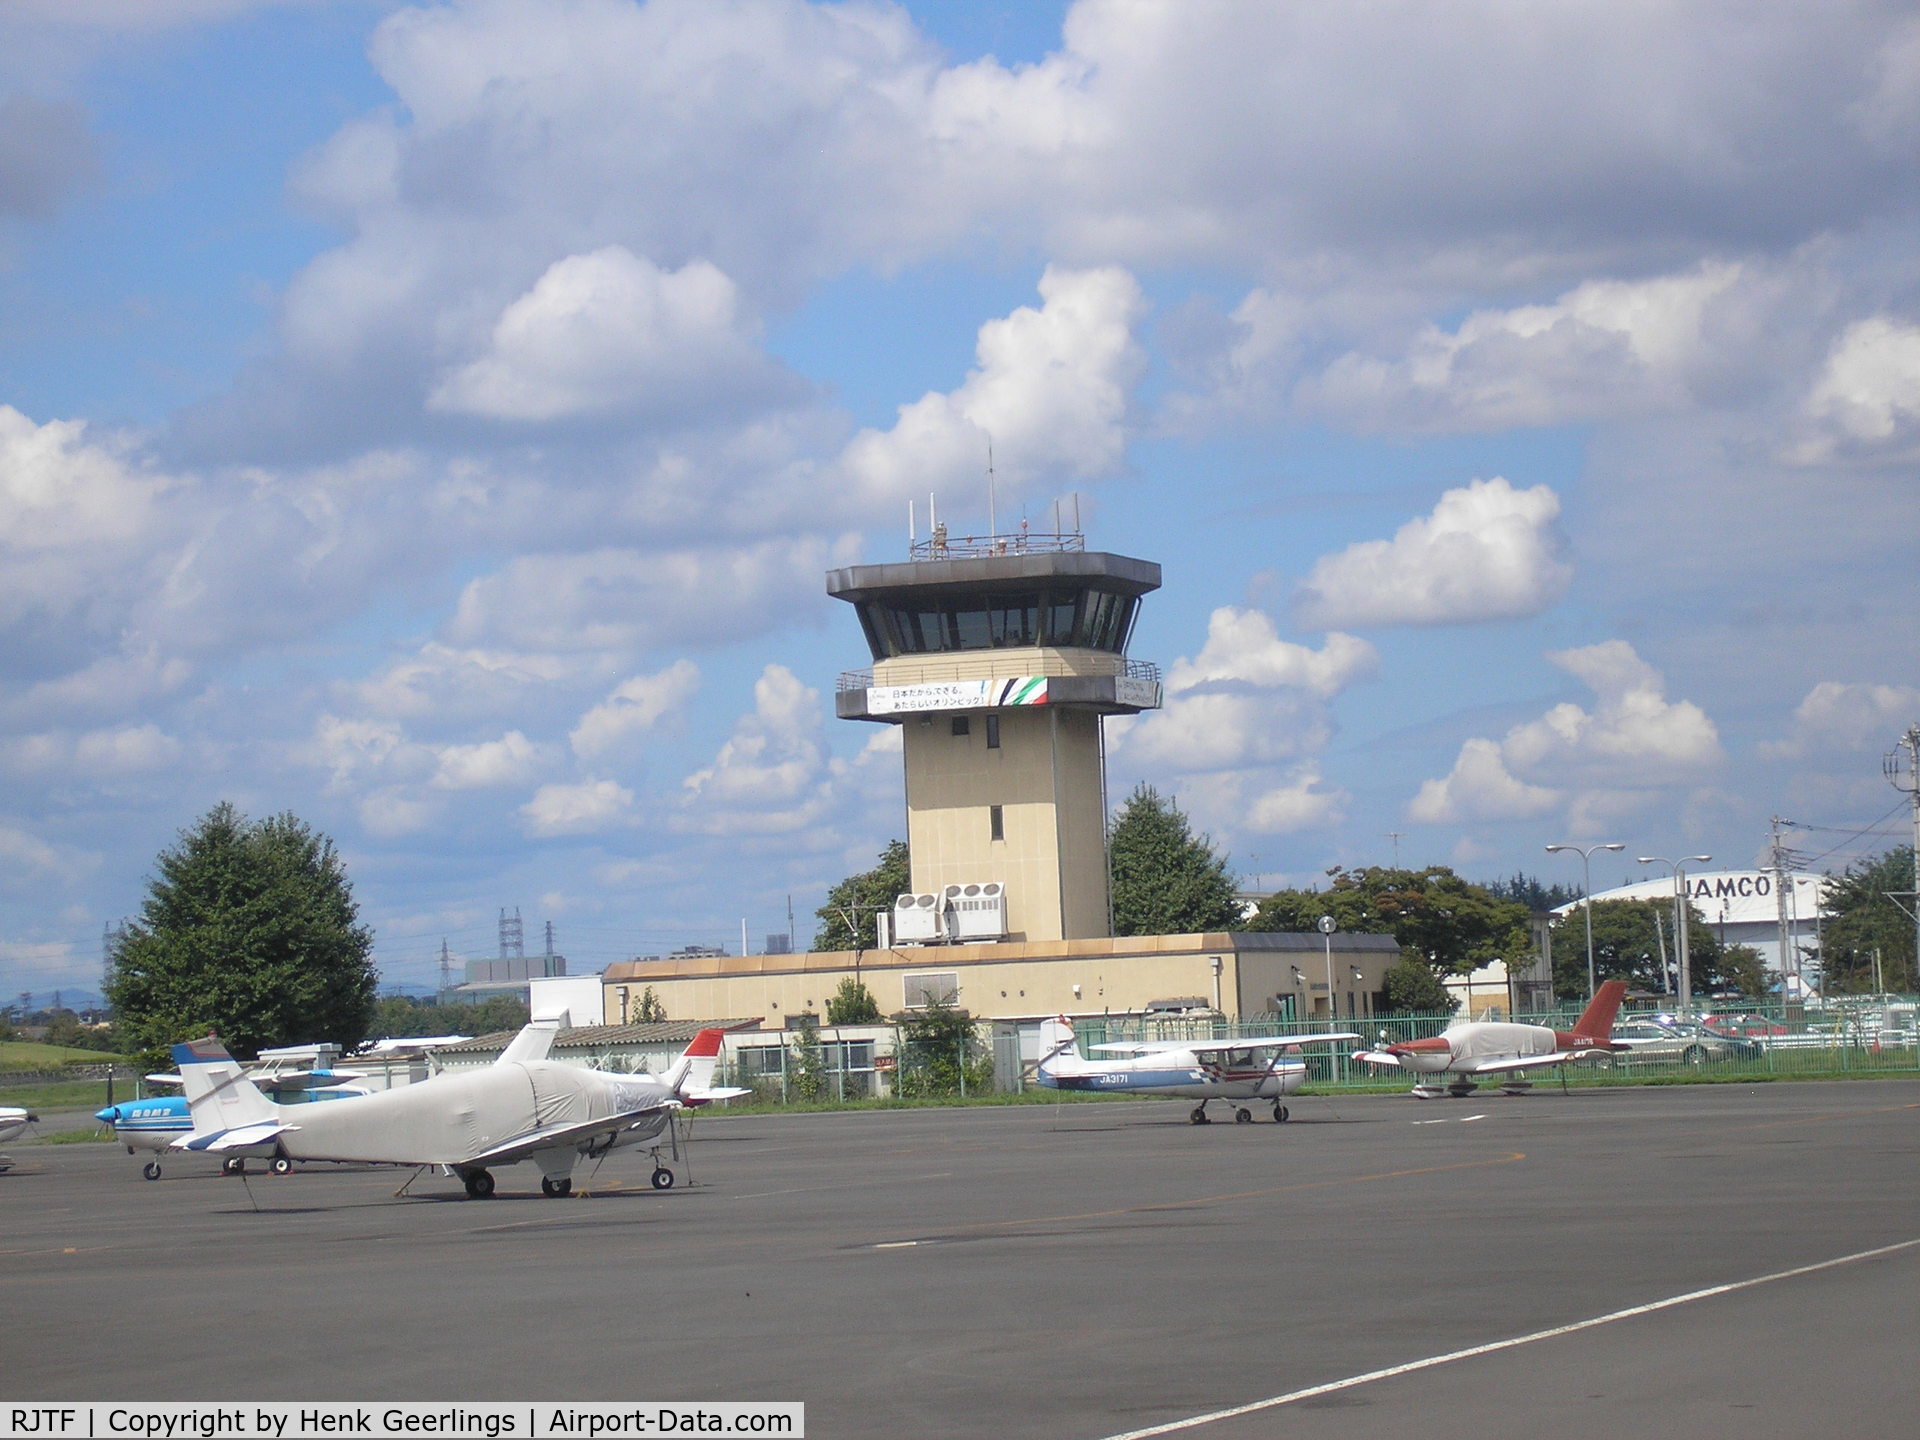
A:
(511, 760)
(1633, 742)
(611, 332)
(635, 706)
(586, 808)
(1051, 389)
(1605, 348)
(1847, 716)
(1487, 552)
(771, 775)
(1866, 403)
(1243, 648)
(1303, 801)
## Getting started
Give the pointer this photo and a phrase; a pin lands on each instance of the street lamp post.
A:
(1586, 895)
(1327, 927)
(1681, 909)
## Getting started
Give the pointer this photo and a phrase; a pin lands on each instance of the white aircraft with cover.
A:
(1259, 1068)
(1469, 1050)
(468, 1123)
(13, 1121)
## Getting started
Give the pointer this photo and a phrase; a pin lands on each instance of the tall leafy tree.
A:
(1451, 925)
(1629, 939)
(249, 929)
(1166, 879)
(1865, 914)
(846, 920)
(852, 1004)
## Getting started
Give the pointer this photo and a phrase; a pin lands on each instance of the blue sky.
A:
(436, 420)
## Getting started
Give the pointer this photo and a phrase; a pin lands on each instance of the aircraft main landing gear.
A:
(662, 1178)
(151, 1170)
(1242, 1116)
(1199, 1115)
(1279, 1113)
(233, 1165)
(280, 1165)
(479, 1185)
(555, 1186)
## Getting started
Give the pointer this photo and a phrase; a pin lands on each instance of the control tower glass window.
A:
(1079, 619)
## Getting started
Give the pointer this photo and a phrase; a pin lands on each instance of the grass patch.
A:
(98, 1135)
(32, 1055)
(65, 1094)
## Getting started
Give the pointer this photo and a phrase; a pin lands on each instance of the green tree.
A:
(1413, 989)
(807, 1070)
(846, 920)
(249, 929)
(852, 1004)
(650, 1009)
(1451, 925)
(1529, 891)
(1166, 879)
(937, 1052)
(1865, 914)
(401, 1015)
(1629, 939)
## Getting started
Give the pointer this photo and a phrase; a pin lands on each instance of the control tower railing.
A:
(942, 546)
(992, 664)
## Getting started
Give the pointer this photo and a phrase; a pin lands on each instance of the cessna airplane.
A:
(1202, 1070)
(1471, 1049)
(466, 1122)
(13, 1120)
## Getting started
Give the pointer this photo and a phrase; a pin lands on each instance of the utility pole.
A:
(1394, 836)
(1903, 773)
(1782, 893)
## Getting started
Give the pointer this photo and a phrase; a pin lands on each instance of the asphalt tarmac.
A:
(1085, 1272)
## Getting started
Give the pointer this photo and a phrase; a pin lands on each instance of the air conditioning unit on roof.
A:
(979, 911)
(918, 920)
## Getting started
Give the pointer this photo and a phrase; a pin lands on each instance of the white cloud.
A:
(636, 705)
(511, 760)
(93, 754)
(1051, 389)
(586, 808)
(1866, 403)
(1242, 647)
(1487, 552)
(771, 775)
(1604, 348)
(1853, 717)
(609, 331)
(447, 683)
(1480, 788)
(1602, 762)
(1304, 801)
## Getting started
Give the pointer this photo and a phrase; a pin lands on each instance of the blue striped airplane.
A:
(1258, 1068)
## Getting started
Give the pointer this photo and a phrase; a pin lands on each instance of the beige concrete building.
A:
(1239, 974)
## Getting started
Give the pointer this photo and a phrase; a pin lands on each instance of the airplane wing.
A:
(1494, 1064)
(158, 1079)
(1266, 1042)
(1376, 1057)
(1204, 1047)
(551, 1137)
(719, 1092)
(305, 1080)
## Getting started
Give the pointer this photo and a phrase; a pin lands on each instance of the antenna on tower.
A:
(512, 937)
(1903, 773)
(446, 967)
(993, 526)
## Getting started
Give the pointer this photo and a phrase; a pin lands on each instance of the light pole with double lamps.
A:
(1586, 894)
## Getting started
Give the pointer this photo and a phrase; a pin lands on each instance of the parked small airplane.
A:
(1469, 1049)
(1203, 1070)
(467, 1122)
(13, 1120)
(156, 1122)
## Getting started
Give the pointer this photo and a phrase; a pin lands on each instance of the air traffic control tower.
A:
(998, 656)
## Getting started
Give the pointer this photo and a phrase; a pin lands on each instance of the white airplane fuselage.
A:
(1176, 1072)
(13, 1120)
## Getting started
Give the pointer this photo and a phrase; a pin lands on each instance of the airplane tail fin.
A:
(1596, 1021)
(1059, 1047)
(220, 1097)
(692, 1073)
(532, 1043)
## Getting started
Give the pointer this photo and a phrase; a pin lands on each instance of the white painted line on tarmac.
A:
(1193, 1422)
(1450, 1120)
(897, 1245)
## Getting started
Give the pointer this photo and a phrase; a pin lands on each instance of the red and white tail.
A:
(692, 1074)
(1596, 1021)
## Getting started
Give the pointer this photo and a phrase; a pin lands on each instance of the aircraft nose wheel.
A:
(662, 1178)
(233, 1165)
(555, 1186)
(1279, 1114)
(1243, 1116)
(479, 1185)
(151, 1170)
(280, 1165)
